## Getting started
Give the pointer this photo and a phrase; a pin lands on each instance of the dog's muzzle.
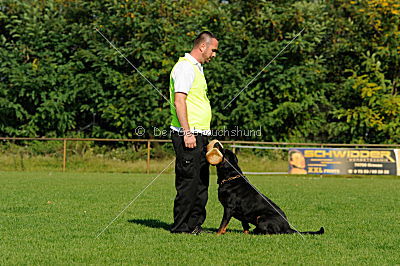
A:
(214, 155)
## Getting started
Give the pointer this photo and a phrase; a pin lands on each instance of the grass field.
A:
(53, 218)
(84, 157)
(91, 163)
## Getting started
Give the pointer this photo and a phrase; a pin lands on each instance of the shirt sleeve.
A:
(183, 76)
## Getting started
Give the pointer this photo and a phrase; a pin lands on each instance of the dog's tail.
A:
(319, 232)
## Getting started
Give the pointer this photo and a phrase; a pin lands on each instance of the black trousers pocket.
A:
(188, 166)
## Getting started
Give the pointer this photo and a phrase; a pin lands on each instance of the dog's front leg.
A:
(246, 227)
(224, 223)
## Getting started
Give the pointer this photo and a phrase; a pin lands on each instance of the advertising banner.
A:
(337, 161)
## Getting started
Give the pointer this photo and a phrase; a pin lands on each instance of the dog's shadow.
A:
(157, 224)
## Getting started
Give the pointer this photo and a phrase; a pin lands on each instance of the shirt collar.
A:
(192, 59)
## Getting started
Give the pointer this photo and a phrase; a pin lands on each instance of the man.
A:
(191, 117)
(297, 163)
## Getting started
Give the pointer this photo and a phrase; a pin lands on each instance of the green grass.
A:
(82, 157)
(92, 163)
(53, 218)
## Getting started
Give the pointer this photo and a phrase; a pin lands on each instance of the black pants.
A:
(192, 176)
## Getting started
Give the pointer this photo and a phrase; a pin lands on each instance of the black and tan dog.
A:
(242, 201)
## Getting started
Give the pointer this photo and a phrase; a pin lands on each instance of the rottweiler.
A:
(244, 202)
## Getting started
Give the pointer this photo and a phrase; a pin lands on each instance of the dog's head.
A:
(225, 160)
(228, 167)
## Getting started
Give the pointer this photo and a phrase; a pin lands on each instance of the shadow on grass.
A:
(152, 223)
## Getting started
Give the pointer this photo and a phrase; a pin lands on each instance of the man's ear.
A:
(203, 47)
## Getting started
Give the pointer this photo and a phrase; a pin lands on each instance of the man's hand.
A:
(189, 139)
(181, 111)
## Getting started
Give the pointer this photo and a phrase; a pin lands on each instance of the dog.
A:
(244, 202)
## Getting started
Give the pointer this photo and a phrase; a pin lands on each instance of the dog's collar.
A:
(230, 179)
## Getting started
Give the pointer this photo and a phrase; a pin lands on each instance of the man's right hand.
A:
(190, 140)
(181, 111)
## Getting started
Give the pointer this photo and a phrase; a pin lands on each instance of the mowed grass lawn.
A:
(53, 218)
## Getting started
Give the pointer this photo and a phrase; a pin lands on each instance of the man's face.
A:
(210, 51)
(298, 160)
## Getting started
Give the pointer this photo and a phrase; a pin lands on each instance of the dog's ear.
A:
(231, 157)
(235, 158)
(219, 146)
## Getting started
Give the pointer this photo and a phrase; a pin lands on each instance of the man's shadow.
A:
(152, 223)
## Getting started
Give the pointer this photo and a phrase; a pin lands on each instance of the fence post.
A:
(65, 155)
(148, 156)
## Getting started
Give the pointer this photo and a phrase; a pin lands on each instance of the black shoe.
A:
(197, 230)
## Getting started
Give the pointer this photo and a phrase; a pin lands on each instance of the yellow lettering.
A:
(386, 154)
(375, 154)
(308, 153)
(361, 155)
(339, 153)
(328, 154)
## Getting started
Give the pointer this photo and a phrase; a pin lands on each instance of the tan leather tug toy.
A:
(214, 155)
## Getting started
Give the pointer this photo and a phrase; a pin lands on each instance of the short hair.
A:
(292, 152)
(204, 36)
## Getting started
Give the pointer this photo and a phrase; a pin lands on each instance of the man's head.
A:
(296, 159)
(205, 47)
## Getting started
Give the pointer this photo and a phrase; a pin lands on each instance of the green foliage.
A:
(367, 105)
(60, 77)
